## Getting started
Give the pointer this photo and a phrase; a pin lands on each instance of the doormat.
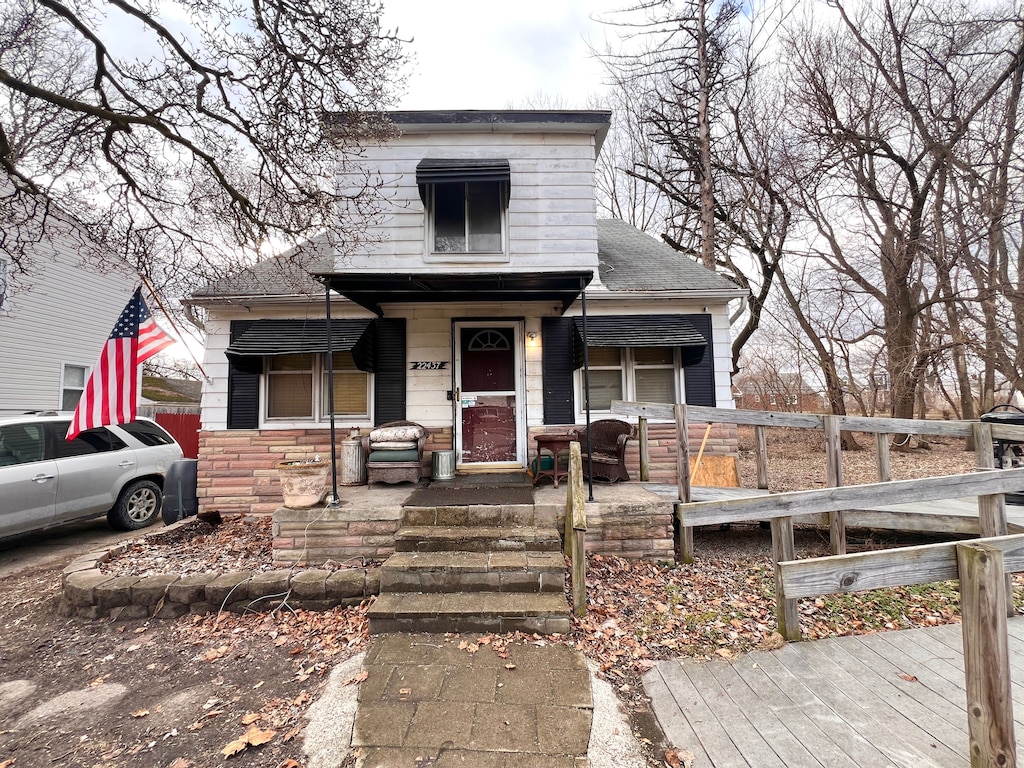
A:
(450, 496)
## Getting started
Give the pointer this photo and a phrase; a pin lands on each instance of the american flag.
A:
(112, 391)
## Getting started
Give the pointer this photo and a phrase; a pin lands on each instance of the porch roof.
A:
(372, 290)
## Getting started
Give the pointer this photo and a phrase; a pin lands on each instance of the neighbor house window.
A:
(72, 386)
(3, 282)
(644, 374)
(297, 387)
(467, 217)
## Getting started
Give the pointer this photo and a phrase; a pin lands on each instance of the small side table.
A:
(554, 444)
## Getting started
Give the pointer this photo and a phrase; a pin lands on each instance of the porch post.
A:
(586, 391)
(333, 500)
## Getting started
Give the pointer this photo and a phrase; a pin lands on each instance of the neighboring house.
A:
(54, 323)
(464, 312)
(777, 391)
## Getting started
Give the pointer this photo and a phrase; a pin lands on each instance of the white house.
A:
(54, 323)
(467, 313)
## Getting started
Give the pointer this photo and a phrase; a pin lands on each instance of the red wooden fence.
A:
(184, 427)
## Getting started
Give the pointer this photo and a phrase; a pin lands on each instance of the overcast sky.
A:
(482, 54)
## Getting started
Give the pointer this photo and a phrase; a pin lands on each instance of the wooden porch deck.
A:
(866, 701)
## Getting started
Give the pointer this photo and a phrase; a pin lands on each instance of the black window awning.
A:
(644, 331)
(296, 337)
(435, 170)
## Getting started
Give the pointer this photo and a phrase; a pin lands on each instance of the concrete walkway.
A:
(426, 701)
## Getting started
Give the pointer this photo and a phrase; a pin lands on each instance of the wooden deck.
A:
(867, 701)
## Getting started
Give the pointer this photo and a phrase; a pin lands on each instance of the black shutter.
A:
(389, 379)
(243, 386)
(700, 378)
(557, 368)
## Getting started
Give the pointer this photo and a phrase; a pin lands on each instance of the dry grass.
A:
(796, 459)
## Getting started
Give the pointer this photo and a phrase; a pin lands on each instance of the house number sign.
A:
(430, 365)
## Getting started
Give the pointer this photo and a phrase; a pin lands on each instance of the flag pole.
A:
(181, 337)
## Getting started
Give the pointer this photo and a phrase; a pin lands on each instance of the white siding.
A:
(62, 314)
(551, 213)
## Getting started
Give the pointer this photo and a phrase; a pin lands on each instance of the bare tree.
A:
(185, 138)
(884, 100)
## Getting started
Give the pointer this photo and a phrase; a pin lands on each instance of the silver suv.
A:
(46, 480)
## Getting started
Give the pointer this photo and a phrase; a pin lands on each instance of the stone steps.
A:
(465, 538)
(546, 613)
(474, 572)
(474, 568)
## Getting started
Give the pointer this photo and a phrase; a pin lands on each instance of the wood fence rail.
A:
(982, 567)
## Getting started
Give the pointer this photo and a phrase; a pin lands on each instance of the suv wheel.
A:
(136, 507)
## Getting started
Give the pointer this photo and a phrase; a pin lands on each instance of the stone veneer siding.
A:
(236, 467)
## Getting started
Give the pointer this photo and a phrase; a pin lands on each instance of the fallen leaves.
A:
(254, 737)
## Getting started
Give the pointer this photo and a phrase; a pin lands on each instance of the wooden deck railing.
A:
(575, 539)
(832, 427)
(982, 566)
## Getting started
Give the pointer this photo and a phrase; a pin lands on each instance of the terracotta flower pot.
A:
(303, 484)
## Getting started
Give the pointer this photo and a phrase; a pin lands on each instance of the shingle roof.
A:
(631, 260)
(284, 275)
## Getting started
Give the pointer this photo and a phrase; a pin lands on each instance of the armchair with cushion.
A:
(394, 452)
(608, 439)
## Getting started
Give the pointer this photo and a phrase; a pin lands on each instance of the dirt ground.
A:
(185, 693)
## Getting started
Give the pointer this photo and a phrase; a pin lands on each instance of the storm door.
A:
(488, 377)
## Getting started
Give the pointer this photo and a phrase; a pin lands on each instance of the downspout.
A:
(332, 501)
(586, 391)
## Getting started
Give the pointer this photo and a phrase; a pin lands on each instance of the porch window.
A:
(296, 387)
(646, 374)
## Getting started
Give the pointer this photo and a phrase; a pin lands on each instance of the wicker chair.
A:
(608, 448)
(394, 453)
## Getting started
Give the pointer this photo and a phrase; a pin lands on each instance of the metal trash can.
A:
(442, 465)
(353, 463)
(1007, 453)
(180, 497)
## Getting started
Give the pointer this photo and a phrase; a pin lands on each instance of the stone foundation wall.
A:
(236, 467)
(343, 534)
(90, 593)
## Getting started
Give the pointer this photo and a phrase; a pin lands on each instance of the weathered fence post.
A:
(986, 655)
(761, 456)
(576, 520)
(685, 543)
(991, 507)
(884, 467)
(645, 450)
(834, 479)
(783, 550)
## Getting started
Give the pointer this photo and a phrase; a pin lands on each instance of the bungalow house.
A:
(467, 312)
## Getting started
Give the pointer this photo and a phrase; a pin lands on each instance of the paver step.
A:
(519, 571)
(546, 613)
(444, 538)
(474, 514)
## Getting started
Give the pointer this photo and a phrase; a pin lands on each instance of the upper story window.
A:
(466, 202)
(467, 217)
